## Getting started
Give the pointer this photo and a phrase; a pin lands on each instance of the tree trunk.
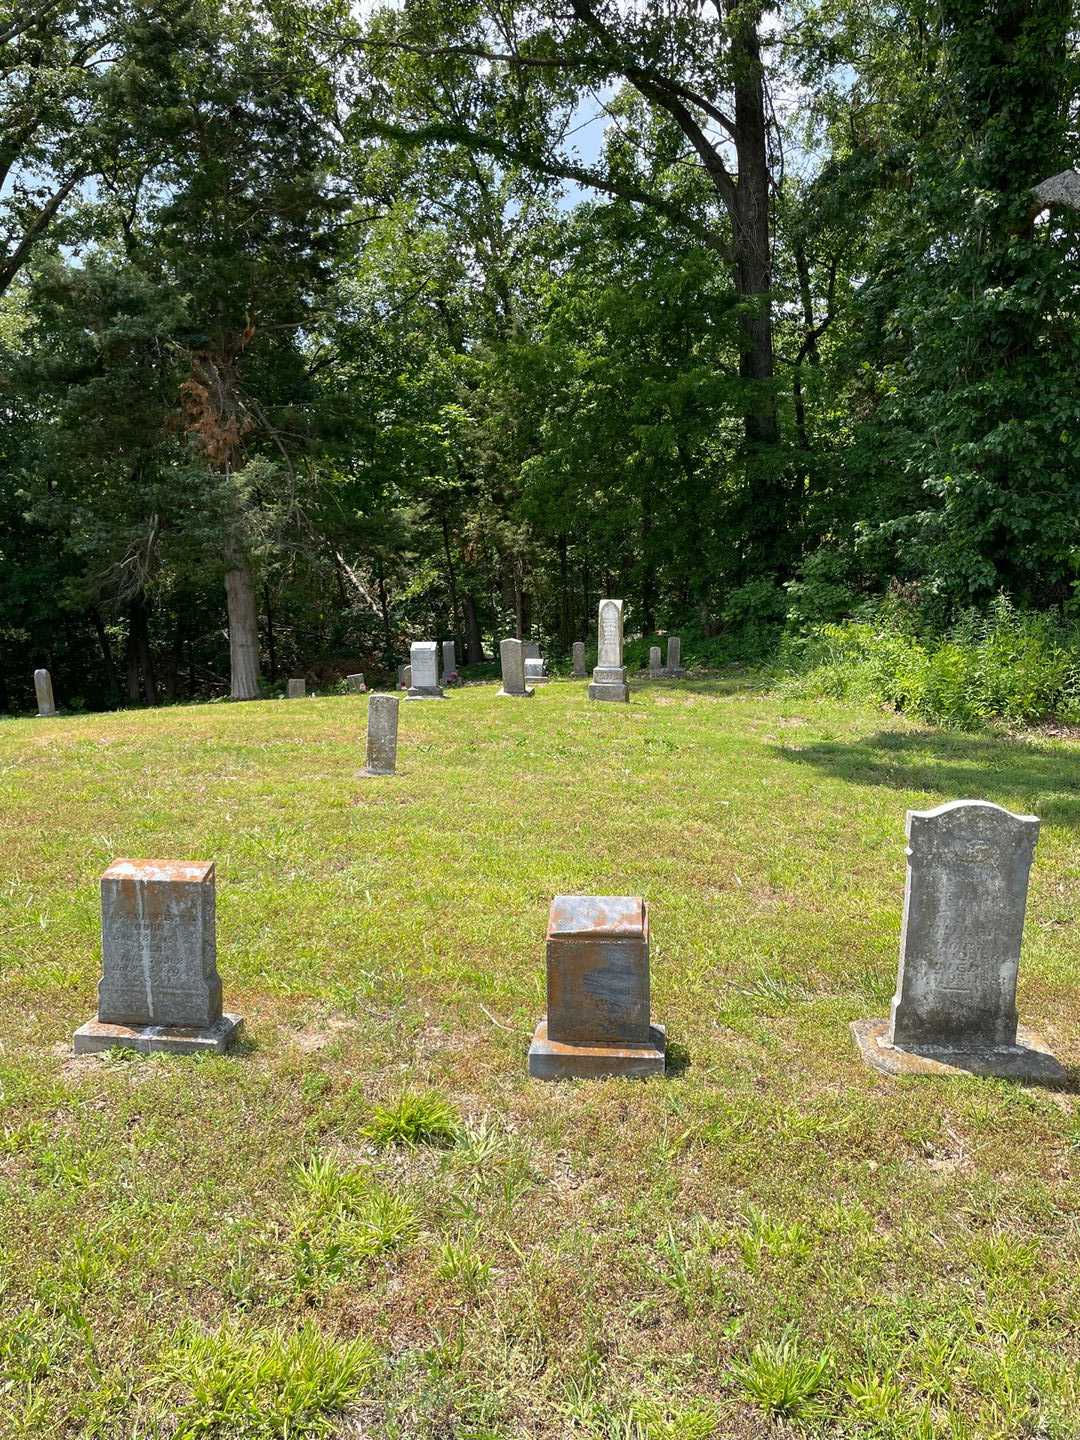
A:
(112, 685)
(140, 659)
(243, 633)
(384, 606)
(455, 627)
(474, 642)
(271, 644)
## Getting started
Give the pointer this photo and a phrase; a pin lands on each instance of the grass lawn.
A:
(242, 1247)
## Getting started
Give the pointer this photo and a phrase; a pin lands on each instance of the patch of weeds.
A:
(1000, 1253)
(873, 1397)
(782, 1381)
(31, 1344)
(688, 1270)
(414, 1120)
(264, 1386)
(462, 1265)
(779, 1239)
(343, 1218)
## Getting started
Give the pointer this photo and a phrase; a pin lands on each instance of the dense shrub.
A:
(1008, 666)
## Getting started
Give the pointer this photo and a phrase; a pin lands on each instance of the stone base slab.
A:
(424, 692)
(526, 694)
(609, 692)
(1029, 1059)
(366, 774)
(96, 1036)
(554, 1060)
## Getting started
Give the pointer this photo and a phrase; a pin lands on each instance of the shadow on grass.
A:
(677, 1060)
(958, 767)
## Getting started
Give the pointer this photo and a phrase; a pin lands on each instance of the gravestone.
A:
(424, 671)
(382, 728)
(46, 705)
(356, 684)
(532, 649)
(297, 689)
(534, 671)
(609, 676)
(512, 659)
(656, 670)
(404, 677)
(597, 1020)
(159, 986)
(579, 660)
(674, 658)
(964, 900)
(449, 659)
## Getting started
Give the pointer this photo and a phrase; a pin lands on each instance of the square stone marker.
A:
(297, 689)
(964, 900)
(609, 676)
(382, 730)
(424, 671)
(159, 987)
(512, 659)
(579, 660)
(597, 1022)
(356, 684)
(46, 705)
(674, 657)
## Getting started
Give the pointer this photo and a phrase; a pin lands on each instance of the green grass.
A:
(367, 1221)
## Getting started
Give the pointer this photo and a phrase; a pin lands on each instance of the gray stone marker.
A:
(297, 689)
(159, 986)
(674, 658)
(964, 900)
(656, 670)
(597, 1020)
(538, 674)
(609, 676)
(579, 659)
(424, 671)
(356, 684)
(404, 677)
(382, 728)
(512, 659)
(46, 705)
(449, 659)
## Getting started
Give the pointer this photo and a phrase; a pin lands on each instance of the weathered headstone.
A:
(449, 659)
(964, 901)
(382, 728)
(579, 659)
(356, 684)
(46, 705)
(512, 659)
(656, 670)
(597, 1020)
(609, 676)
(297, 689)
(674, 666)
(404, 677)
(424, 655)
(534, 671)
(159, 986)
(531, 649)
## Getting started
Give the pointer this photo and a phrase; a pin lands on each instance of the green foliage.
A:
(342, 1219)
(427, 1119)
(264, 1386)
(781, 1380)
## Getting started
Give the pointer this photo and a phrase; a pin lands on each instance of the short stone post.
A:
(579, 659)
(424, 671)
(159, 985)
(297, 689)
(46, 705)
(597, 1020)
(382, 728)
(656, 671)
(512, 659)
(609, 676)
(964, 901)
(674, 658)
(356, 684)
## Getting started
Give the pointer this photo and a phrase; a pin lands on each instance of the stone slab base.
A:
(367, 774)
(96, 1035)
(418, 692)
(553, 1060)
(526, 694)
(609, 692)
(1029, 1059)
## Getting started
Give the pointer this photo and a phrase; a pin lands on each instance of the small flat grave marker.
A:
(597, 1020)
(964, 901)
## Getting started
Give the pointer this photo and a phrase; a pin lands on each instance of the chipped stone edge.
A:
(1030, 1059)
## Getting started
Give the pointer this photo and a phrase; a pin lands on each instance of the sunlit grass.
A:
(372, 1169)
